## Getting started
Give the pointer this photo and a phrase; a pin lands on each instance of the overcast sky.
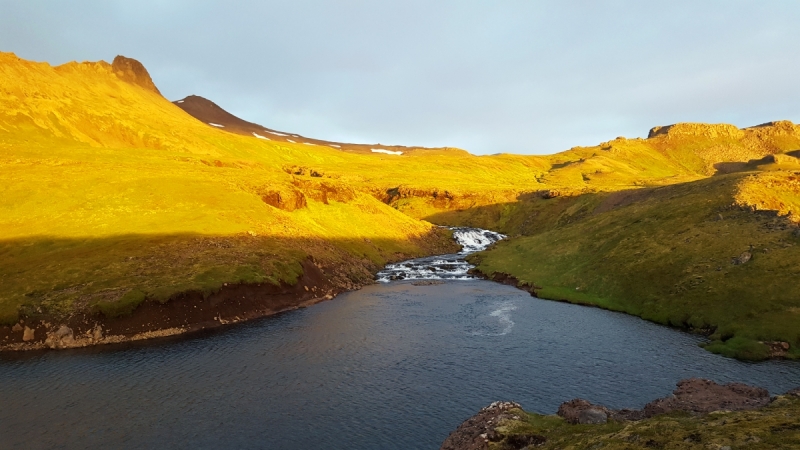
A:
(486, 76)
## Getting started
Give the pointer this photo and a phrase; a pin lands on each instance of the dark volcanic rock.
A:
(132, 71)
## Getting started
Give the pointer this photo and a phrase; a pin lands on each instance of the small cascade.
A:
(443, 267)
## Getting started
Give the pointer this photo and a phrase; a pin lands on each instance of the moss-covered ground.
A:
(772, 427)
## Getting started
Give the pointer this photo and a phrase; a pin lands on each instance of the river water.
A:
(394, 365)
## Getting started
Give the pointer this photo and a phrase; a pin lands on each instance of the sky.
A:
(533, 77)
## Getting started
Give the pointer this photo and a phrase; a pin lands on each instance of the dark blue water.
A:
(390, 366)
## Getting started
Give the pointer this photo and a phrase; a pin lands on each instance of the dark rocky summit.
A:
(134, 72)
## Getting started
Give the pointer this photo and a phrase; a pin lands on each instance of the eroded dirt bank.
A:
(185, 312)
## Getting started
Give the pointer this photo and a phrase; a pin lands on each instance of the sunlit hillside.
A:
(113, 196)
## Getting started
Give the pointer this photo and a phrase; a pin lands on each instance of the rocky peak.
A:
(713, 131)
(132, 71)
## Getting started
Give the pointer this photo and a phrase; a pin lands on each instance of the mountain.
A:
(128, 216)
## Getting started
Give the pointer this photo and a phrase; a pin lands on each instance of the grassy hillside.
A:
(112, 195)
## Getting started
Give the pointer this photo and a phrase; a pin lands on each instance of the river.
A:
(393, 365)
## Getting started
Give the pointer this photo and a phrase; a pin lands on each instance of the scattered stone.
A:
(16, 328)
(27, 334)
(427, 282)
(743, 258)
(63, 337)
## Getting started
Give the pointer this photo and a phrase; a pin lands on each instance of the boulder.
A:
(16, 328)
(592, 416)
(579, 410)
(743, 258)
(28, 334)
(61, 338)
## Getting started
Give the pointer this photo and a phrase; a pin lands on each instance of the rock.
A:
(743, 258)
(572, 411)
(28, 334)
(16, 328)
(697, 395)
(132, 71)
(476, 432)
(592, 416)
(97, 334)
(61, 338)
(794, 392)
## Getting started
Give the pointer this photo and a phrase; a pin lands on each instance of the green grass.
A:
(772, 427)
(107, 188)
(665, 254)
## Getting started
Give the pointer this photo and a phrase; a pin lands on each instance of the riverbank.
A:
(212, 304)
(699, 414)
(692, 256)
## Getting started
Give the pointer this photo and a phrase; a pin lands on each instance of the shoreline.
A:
(778, 350)
(184, 313)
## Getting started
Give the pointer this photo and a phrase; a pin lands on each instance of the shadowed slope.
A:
(91, 152)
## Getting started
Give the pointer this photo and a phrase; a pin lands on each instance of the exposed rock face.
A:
(132, 71)
(697, 395)
(476, 432)
(585, 412)
(287, 200)
(782, 158)
(712, 131)
(694, 395)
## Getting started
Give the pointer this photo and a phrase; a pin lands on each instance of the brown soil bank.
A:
(699, 414)
(184, 312)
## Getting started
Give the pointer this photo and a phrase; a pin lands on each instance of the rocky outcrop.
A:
(697, 395)
(134, 72)
(477, 431)
(693, 395)
(710, 131)
(287, 200)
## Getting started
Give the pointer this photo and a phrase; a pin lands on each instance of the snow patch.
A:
(293, 142)
(388, 152)
(308, 143)
(179, 101)
(260, 136)
(334, 145)
(276, 133)
(216, 125)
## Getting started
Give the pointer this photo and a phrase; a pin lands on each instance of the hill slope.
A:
(124, 210)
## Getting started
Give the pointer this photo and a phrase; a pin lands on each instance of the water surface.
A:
(391, 366)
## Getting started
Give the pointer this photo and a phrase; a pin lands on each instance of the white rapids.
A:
(443, 267)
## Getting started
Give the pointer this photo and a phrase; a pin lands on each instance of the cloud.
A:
(516, 76)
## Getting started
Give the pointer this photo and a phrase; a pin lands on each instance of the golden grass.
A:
(108, 188)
